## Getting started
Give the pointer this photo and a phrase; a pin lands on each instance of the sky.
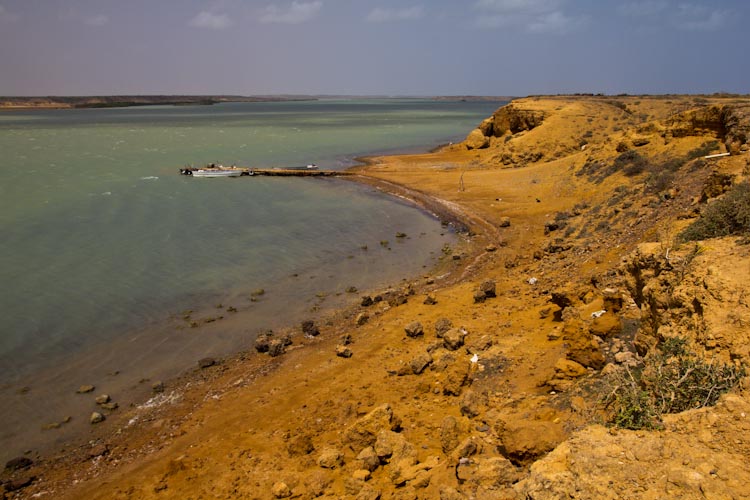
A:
(373, 47)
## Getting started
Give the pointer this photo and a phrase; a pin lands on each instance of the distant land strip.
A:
(121, 101)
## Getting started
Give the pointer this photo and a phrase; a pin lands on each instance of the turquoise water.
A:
(104, 245)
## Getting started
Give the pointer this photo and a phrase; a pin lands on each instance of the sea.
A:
(116, 271)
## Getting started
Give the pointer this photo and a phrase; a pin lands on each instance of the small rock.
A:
(157, 387)
(281, 490)
(262, 342)
(300, 445)
(430, 300)
(504, 222)
(369, 459)
(96, 417)
(206, 362)
(19, 483)
(442, 325)
(453, 339)
(414, 329)
(421, 362)
(309, 328)
(109, 406)
(479, 297)
(347, 339)
(343, 351)
(400, 235)
(18, 463)
(102, 399)
(85, 389)
(258, 292)
(366, 301)
(490, 248)
(362, 318)
(351, 289)
(488, 288)
(361, 474)
(98, 451)
(330, 458)
(276, 348)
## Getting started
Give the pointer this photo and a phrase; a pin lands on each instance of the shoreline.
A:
(142, 398)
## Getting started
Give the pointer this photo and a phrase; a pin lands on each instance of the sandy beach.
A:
(389, 402)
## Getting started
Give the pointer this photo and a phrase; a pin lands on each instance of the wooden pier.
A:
(277, 172)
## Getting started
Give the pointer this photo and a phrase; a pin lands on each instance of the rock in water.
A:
(309, 328)
(85, 389)
(18, 463)
(102, 399)
(206, 362)
(96, 417)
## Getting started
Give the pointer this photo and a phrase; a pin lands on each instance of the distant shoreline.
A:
(87, 102)
(125, 101)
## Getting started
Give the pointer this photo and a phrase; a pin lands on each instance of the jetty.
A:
(234, 171)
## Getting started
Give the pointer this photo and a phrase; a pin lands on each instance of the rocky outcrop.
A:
(728, 123)
(696, 456)
(509, 119)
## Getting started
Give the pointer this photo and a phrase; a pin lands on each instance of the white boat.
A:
(217, 172)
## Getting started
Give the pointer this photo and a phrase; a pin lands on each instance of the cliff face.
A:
(728, 123)
(510, 119)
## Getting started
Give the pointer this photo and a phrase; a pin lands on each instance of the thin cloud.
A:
(296, 13)
(698, 18)
(7, 17)
(518, 6)
(380, 15)
(555, 23)
(210, 20)
(97, 20)
(647, 8)
(685, 16)
(533, 16)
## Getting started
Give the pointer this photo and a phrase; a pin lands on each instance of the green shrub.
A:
(671, 380)
(729, 215)
(631, 163)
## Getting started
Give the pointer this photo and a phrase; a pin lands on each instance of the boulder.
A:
(523, 441)
(606, 326)
(414, 329)
(364, 432)
(582, 346)
(477, 140)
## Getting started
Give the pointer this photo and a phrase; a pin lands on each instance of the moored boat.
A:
(216, 172)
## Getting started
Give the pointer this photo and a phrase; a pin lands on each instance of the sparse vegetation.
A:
(672, 380)
(729, 215)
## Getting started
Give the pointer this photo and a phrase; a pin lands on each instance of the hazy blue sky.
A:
(427, 47)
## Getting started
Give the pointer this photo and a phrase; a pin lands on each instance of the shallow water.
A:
(104, 246)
